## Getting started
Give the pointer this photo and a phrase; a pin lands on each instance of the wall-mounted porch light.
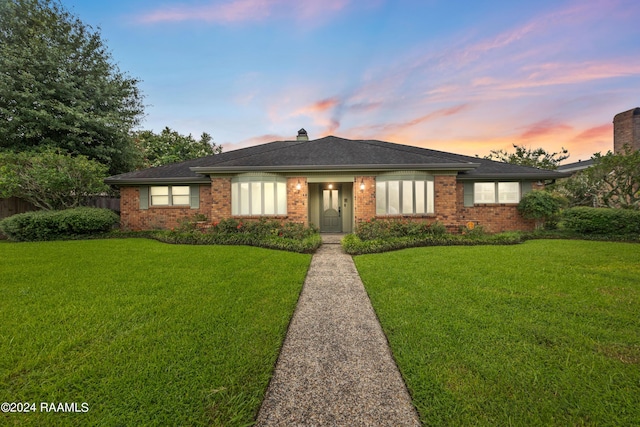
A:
(298, 185)
(330, 186)
(362, 184)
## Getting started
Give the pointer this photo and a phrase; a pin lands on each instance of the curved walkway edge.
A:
(335, 367)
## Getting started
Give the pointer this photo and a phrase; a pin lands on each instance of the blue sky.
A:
(459, 76)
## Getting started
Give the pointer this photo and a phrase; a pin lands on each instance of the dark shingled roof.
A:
(331, 154)
(576, 166)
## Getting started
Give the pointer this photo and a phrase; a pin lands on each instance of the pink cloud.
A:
(397, 129)
(443, 112)
(234, 11)
(550, 74)
(319, 106)
(599, 132)
(309, 10)
(239, 11)
(544, 128)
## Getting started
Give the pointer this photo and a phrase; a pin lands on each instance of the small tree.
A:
(579, 190)
(51, 180)
(539, 205)
(613, 181)
(524, 156)
(170, 147)
(619, 178)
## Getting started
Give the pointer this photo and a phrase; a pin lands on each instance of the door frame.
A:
(331, 186)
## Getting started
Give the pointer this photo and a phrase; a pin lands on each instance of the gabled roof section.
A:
(330, 154)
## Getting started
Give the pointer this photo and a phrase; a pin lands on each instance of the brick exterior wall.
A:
(445, 201)
(450, 210)
(493, 218)
(626, 130)
(297, 200)
(221, 200)
(164, 217)
(215, 203)
(364, 201)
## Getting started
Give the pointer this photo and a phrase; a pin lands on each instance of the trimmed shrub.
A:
(53, 225)
(539, 205)
(293, 237)
(389, 228)
(306, 245)
(353, 245)
(602, 221)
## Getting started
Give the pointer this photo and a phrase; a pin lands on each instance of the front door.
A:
(330, 213)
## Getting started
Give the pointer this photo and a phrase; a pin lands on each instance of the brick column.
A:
(297, 200)
(364, 201)
(130, 208)
(445, 204)
(220, 198)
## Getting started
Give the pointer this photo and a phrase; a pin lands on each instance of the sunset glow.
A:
(465, 77)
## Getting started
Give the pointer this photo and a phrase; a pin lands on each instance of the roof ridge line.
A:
(254, 146)
(400, 147)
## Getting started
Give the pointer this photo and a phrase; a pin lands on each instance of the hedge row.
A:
(602, 221)
(307, 244)
(392, 228)
(53, 225)
(264, 233)
(353, 245)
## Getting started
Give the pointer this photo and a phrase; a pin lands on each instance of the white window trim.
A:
(169, 195)
(429, 195)
(497, 194)
(279, 196)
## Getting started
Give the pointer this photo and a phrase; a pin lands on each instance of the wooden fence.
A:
(112, 203)
(14, 205)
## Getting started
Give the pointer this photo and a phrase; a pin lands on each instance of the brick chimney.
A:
(626, 130)
(302, 135)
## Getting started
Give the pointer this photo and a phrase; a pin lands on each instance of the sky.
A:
(460, 76)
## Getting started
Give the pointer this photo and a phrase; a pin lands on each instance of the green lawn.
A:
(144, 332)
(543, 333)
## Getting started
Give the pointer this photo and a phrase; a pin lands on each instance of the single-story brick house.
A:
(331, 182)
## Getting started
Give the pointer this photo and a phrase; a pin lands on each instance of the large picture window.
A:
(404, 196)
(169, 195)
(496, 192)
(258, 196)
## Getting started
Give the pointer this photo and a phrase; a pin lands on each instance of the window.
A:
(404, 196)
(180, 195)
(508, 192)
(484, 192)
(258, 196)
(171, 195)
(496, 192)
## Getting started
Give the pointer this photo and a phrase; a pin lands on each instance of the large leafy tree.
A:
(59, 86)
(538, 158)
(49, 179)
(170, 146)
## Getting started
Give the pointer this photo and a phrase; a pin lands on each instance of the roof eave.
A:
(513, 176)
(461, 167)
(167, 180)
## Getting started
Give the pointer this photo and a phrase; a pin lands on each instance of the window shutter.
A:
(468, 193)
(526, 187)
(144, 197)
(194, 192)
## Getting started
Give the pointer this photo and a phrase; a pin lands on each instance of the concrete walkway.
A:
(335, 367)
